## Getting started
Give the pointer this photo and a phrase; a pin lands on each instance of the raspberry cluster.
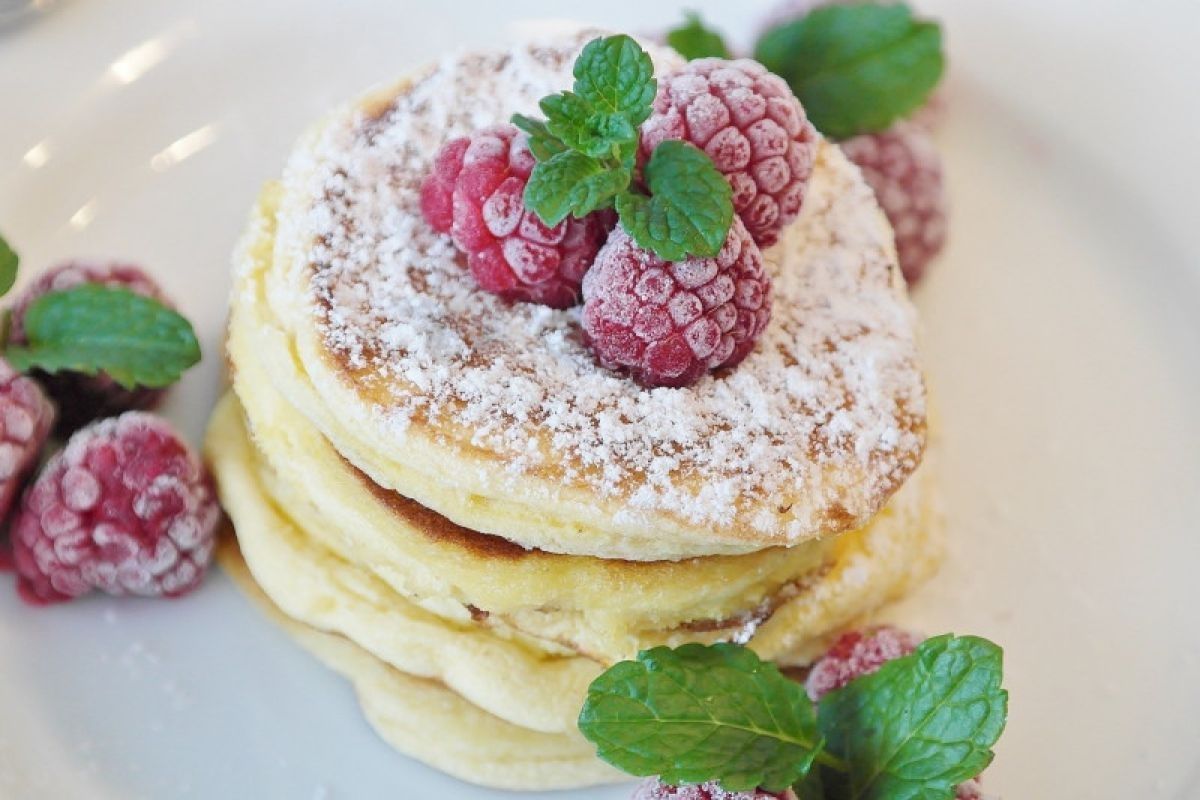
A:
(663, 323)
(126, 506)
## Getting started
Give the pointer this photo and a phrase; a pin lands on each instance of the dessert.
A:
(463, 503)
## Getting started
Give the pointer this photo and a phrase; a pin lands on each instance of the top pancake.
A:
(496, 416)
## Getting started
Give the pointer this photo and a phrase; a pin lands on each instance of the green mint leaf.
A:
(694, 40)
(579, 127)
(700, 713)
(8, 266)
(690, 207)
(572, 183)
(614, 75)
(136, 340)
(856, 68)
(542, 143)
(921, 724)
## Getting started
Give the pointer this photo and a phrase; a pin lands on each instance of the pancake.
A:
(427, 721)
(515, 677)
(496, 417)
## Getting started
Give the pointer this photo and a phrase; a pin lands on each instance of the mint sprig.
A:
(586, 151)
(8, 266)
(689, 209)
(856, 68)
(693, 39)
(699, 713)
(920, 725)
(136, 340)
(913, 730)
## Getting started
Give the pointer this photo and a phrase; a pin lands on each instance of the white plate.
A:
(1062, 338)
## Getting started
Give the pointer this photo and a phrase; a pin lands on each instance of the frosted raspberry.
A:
(654, 789)
(669, 323)
(969, 790)
(126, 508)
(857, 653)
(476, 192)
(83, 398)
(903, 167)
(26, 416)
(753, 128)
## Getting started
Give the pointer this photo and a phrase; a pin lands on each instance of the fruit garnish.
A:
(693, 39)
(856, 68)
(587, 151)
(475, 193)
(915, 728)
(902, 165)
(26, 417)
(669, 323)
(126, 507)
(748, 122)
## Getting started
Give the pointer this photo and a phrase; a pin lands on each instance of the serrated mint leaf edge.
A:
(542, 143)
(859, 786)
(9, 261)
(653, 664)
(633, 102)
(552, 197)
(639, 213)
(178, 353)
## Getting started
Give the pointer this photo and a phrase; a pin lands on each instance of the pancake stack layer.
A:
(447, 500)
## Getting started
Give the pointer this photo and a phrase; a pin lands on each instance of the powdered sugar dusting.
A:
(830, 404)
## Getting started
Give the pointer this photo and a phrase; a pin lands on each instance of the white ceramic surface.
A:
(1062, 335)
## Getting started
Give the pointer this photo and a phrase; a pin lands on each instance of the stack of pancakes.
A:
(445, 497)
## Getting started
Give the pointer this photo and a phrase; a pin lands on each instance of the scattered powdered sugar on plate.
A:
(833, 383)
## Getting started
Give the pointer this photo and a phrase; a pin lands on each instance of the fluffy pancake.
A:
(608, 608)
(496, 416)
(426, 720)
(515, 677)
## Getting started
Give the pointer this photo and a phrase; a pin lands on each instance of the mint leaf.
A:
(542, 143)
(690, 207)
(921, 724)
(136, 340)
(856, 68)
(616, 76)
(594, 133)
(572, 183)
(700, 713)
(694, 40)
(8, 266)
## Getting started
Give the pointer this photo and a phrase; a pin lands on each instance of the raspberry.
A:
(668, 323)
(83, 398)
(26, 416)
(126, 507)
(857, 653)
(969, 790)
(476, 192)
(654, 789)
(753, 128)
(903, 167)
